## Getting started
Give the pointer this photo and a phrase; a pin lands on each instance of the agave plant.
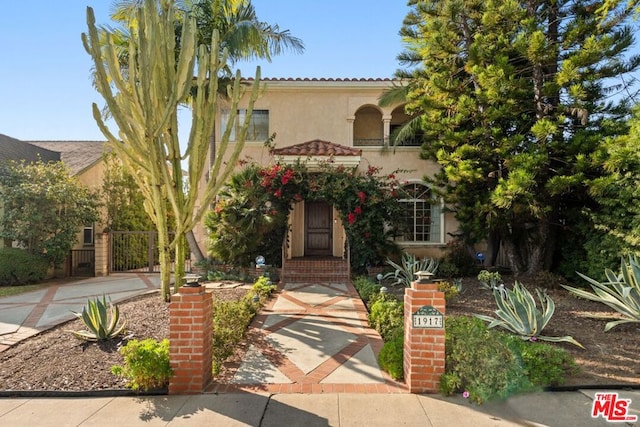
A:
(621, 292)
(405, 273)
(518, 313)
(101, 318)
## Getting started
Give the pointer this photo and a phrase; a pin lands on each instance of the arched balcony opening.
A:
(399, 134)
(368, 129)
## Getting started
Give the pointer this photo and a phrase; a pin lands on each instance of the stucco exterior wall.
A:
(336, 111)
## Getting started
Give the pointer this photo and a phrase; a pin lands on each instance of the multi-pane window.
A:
(258, 126)
(420, 220)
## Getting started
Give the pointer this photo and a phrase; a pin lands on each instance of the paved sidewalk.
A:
(24, 315)
(562, 409)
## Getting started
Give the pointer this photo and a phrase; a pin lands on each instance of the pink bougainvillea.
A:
(362, 196)
(351, 218)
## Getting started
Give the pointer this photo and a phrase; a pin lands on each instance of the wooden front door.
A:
(318, 224)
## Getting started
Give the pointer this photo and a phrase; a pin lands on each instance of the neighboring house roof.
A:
(77, 155)
(14, 149)
(317, 147)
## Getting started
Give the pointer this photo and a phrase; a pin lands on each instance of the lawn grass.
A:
(6, 291)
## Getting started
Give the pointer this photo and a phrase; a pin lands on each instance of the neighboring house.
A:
(318, 119)
(84, 159)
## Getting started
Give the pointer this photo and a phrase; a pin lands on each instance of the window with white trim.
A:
(258, 125)
(421, 219)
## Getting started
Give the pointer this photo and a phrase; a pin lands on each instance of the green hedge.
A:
(18, 267)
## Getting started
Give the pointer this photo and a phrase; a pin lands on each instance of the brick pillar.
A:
(102, 254)
(190, 337)
(423, 346)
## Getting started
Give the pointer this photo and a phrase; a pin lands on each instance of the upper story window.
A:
(421, 219)
(258, 126)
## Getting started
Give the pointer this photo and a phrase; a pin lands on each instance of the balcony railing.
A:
(384, 142)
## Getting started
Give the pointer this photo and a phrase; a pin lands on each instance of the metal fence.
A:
(82, 263)
(136, 252)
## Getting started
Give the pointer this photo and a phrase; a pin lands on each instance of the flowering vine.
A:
(366, 202)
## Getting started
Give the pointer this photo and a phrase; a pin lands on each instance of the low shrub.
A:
(451, 289)
(19, 267)
(146, 364)
(366, 288)
(230, 322)
(509, 364)
(544, 364)
(467, 343)
(391, 357)
(263, 287)
(387, 316)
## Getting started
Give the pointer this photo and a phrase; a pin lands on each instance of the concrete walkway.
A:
(312, 338)
(24, 315)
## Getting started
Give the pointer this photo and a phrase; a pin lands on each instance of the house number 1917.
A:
(425, 321)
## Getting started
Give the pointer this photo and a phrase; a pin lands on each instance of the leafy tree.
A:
(144, 105)
(44, 208)
(617, 191)
(512, 98)
(123, 200)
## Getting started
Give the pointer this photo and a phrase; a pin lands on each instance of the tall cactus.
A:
(144, 105)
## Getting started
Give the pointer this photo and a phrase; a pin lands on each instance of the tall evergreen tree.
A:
(513, 96)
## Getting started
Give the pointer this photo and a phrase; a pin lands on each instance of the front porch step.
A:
(312, 270)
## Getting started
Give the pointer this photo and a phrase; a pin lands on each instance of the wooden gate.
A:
(136, 252)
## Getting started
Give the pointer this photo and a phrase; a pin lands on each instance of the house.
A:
(318, 119)
(84, 159)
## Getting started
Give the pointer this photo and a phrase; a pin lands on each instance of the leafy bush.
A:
(230, 322)
(489, 280)
(263, 287)
(19, 267)
(146, 364)
(544, 364)
(366, 288)
(391, 357)
(517, 312)
(509, 364)
(101, 318)
(387, 316)
(620, 292)
(451, 289)
(467, 343)
(405, 272)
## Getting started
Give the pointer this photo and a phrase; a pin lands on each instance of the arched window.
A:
(421, 219)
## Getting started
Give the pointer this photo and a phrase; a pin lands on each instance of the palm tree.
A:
(242, 34)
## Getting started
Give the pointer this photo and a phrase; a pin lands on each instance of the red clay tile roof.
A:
(316, 147)
(321, 79)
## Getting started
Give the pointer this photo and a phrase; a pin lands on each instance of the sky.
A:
(45, 85)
